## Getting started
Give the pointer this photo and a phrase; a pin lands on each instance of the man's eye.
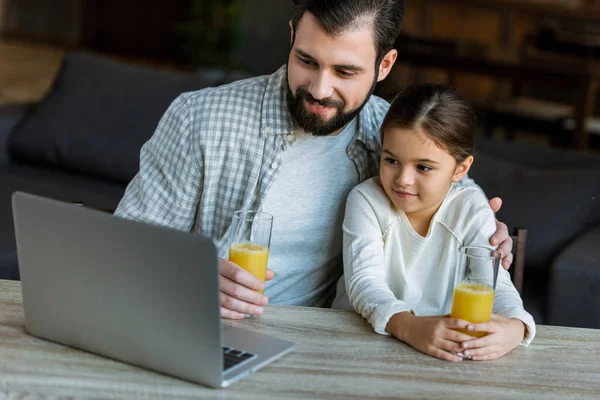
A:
(345, 74)
(391, 161)
(306, 62)
(424, 168)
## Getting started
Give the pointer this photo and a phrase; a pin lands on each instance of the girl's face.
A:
(415, 173)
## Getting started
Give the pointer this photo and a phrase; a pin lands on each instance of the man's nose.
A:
(321, 86)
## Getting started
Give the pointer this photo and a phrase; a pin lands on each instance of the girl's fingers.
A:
(444, 355)
(450, 346)
(455, 323)
(457, 336)
(481, 352)
(483, 327)
(491, 356)
(485, 341)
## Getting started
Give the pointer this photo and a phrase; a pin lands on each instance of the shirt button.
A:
(273, 165)
(267, 129)
(290, 137)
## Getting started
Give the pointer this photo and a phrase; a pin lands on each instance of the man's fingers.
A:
(237, 274)
(496, 204)
(241, 292)
(225, 313)
(231, 303)
(269, 275)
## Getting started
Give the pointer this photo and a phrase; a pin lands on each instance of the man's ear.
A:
(386, 64)
(291, 34)
(462, 169)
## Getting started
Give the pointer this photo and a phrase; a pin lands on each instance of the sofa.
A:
(81, 143)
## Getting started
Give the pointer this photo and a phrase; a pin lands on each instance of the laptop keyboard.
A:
(233, 357)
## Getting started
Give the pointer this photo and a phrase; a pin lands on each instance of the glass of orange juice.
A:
(473, 296)
(250, 240)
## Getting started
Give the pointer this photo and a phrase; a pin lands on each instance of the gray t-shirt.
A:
(307, 201)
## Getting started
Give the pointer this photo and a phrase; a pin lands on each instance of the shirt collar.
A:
(276, 118)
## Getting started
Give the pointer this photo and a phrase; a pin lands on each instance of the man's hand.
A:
(503, 335)
(501, 238)
(435, 336)
(239, 295)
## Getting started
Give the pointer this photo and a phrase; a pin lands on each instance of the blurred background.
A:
(531, 67)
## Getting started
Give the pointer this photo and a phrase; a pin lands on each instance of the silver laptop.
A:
(139, 293)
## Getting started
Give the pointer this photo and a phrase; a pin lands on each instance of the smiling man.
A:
(292, 144)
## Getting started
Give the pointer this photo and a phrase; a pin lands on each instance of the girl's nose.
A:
(405, 178)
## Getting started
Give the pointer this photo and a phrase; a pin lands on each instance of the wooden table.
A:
(337, 355)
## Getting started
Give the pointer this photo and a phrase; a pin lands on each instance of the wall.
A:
(55, 21)
(265, 35)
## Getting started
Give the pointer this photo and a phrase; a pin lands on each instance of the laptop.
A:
(142, 294)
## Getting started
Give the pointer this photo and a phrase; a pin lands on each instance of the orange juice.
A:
(251, 257)
(473, 302)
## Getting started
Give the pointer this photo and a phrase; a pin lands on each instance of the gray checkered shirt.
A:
(218, 150)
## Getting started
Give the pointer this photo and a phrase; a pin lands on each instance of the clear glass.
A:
(250, 239)
(473, 296)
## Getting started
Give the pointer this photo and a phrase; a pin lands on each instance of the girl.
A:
(403, 231)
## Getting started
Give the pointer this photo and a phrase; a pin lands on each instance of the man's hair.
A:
(338, 16)
(440, 112)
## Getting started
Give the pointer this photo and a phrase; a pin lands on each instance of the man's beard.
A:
(313, 123)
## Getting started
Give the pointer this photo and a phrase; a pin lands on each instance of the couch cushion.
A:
(536, 156)
(98, 115)
(50, 183)
(556, 204)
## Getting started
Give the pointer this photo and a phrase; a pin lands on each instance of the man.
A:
(292, 144)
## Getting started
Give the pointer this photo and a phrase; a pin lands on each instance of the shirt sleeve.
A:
(167, 187)
(364, 267)
(507, 302)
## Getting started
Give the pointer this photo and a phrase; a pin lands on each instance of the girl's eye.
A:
(424, 168)
(391, 161)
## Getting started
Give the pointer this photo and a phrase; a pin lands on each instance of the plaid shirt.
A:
(218, 150)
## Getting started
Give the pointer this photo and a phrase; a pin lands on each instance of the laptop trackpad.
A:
(265, 346)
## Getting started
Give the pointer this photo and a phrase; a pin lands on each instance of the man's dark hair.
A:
(338, 16)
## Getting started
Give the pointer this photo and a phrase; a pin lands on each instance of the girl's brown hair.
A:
(440, 112)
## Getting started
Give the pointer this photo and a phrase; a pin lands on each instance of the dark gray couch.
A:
(82, 142)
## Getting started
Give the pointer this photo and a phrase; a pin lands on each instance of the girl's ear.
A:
(462, 169)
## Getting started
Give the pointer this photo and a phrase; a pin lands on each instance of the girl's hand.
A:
(503, 335)
(431, 335)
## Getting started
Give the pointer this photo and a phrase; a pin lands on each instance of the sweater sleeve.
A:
(479, 229)
(364, 267)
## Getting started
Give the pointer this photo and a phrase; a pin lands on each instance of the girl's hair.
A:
(440, 112)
